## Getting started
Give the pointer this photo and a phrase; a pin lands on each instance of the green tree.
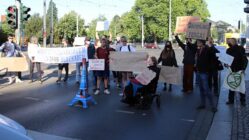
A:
(33, 27)
(4, 31)
(115, 26)
(66, 26)
(214, 33)
(51, 6)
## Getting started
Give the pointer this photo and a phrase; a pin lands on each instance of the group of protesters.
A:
(199, 58)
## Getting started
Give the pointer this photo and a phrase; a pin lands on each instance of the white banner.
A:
(235, 81)
(96, 64)
(58, 55)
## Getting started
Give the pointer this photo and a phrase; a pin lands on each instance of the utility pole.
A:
(44, 25)
(142, 18)
(170, 10)
(77, 28)
(18, 30)
(52, 24)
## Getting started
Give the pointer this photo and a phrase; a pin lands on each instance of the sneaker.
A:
(201, 107)
(10, 80)
(96, 92)
(121, 94)
(18, 80)
(58, 81)
(106, 91)
(214, 109)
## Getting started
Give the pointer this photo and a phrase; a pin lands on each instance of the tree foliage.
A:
(66, 27)
(4, 31)
(33, 27)
(51, 6)
(92, 27)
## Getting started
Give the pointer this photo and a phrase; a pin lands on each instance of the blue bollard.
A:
(82, 95)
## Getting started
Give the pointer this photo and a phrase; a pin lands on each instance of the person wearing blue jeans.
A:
(202, 68)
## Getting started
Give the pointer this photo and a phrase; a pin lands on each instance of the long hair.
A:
(167, 53)
(154, 60)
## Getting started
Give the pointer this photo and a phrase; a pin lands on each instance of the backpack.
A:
(128, 48)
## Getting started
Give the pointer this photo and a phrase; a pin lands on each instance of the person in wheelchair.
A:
(137, 93)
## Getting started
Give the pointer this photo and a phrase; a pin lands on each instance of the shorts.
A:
(104, 74)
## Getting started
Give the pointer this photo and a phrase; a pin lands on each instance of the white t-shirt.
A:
(126, 49)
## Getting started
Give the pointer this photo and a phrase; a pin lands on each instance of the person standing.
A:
(34, 43)
(103, 53)
(63, 65)
(239, 64)
(11, 49)
(202, 68)
(125, 48)
(188, 63)
(168, 58)
(214, 67)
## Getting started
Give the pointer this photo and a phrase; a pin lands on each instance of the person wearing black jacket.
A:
(168, 58)
(215, 65)
(188, 63)
(239, 64)
(202, 68)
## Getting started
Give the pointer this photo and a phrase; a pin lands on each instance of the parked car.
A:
(151, 46)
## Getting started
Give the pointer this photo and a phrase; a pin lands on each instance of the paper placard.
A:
(146, 76)
(182, 23)
(198, 30)
(225, 58)
(79, 41)
(14, 64)
(171, 75)
(102, 26)
(96, 64)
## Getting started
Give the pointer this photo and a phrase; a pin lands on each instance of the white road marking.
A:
(187, 120)
(32, 98)
(124, 111)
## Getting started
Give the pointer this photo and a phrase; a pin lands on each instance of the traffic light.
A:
(25, 13)
(246, 10)
(12, 18)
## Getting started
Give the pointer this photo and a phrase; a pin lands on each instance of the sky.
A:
(229, 11)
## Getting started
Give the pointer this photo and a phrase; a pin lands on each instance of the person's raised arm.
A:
(180, 43)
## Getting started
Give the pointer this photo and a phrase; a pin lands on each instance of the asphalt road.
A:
(43, 108)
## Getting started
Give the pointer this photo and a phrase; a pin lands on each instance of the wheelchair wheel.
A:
(158, 102)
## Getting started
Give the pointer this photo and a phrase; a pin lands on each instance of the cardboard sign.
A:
(146, 76)
(79, 41)
(128, 61)
(14, 64)
(96, 64)
(102, 26)
(171, 75)
(182, 23)
(58, 55)
(198, 30)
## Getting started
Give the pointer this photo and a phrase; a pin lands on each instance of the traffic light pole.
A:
(17, 31)
(44, 25)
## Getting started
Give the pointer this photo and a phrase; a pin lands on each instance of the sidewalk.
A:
(231, 122)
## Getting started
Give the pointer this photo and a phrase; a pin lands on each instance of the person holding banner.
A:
(34, 43)
(168, 58)
(239, 64)
(202, 68)
(63, 65)
(11, 49)
(103, 53)
(188, 63)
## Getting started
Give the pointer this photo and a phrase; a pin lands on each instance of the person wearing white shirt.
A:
(125, 48)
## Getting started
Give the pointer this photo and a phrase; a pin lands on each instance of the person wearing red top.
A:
(103, 53)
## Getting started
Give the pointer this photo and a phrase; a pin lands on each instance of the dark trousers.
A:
(65, 66)
(38, 68)
(213, 81)
(188, 74)
(231, 97)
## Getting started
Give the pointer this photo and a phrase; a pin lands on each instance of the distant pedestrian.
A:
(202, 68)
(34, 43)
(188, 63)
(63, 65)
(168, 58)
(239, 64)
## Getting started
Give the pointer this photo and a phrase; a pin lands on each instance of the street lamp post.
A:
(142, 18)
(170, 10)
(44, 24)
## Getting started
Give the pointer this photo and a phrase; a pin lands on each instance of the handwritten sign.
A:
(96, 64)
(146, 76)
(58, 55)
(171, 75)
(182, 23)
(102, 26)
(79, 41)
(198, 30)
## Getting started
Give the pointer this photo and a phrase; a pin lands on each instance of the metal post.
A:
(77, 28)
(142, 18)
(170, 10)
(17, 31)
(44, 24)
(52, 24)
